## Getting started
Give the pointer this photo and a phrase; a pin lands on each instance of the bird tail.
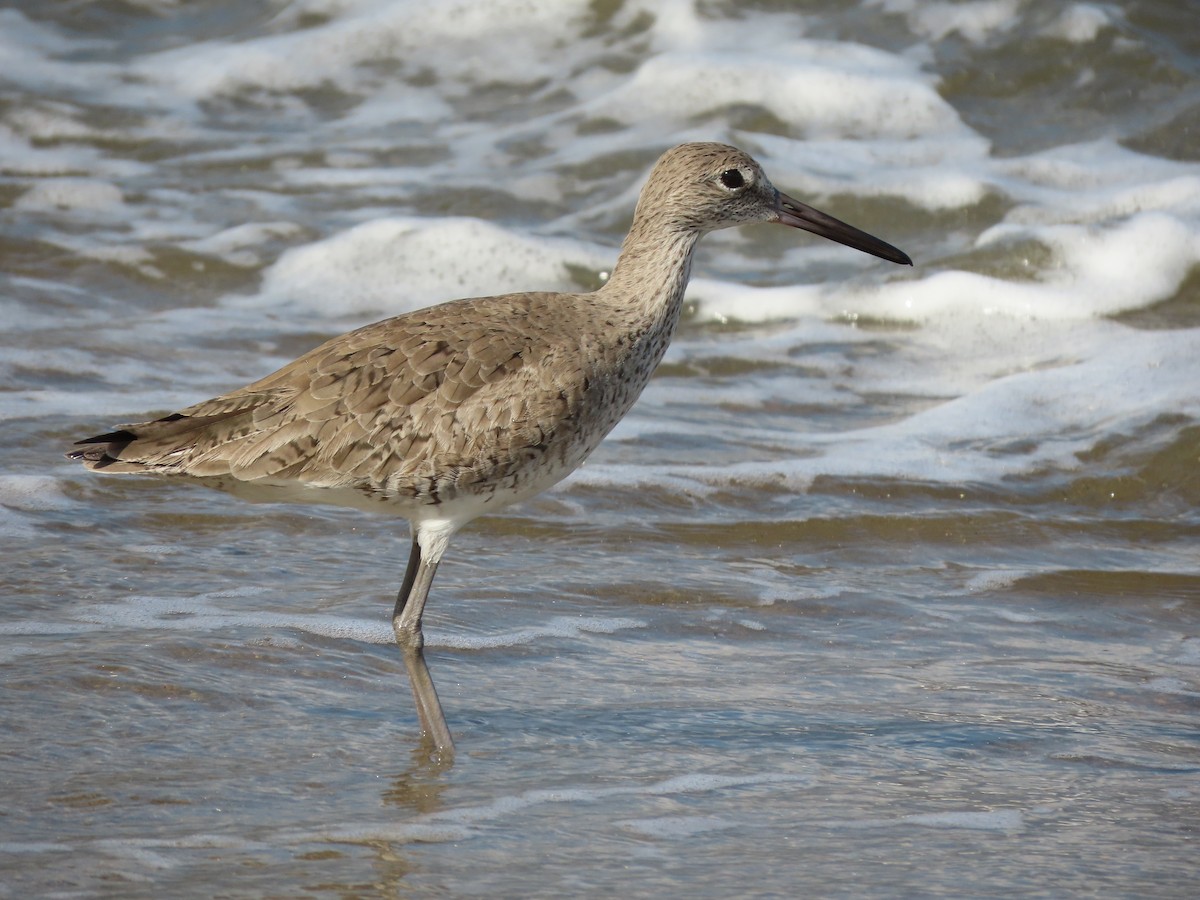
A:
(162, 446)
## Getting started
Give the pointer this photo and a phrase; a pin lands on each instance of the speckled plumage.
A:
(450, 412)
(472, 396)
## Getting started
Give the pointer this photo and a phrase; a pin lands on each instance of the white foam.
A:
(995, 579)
(400, 264)
(28, 49)
(22, 157)
(1079, 23)
(976, 20)
(826, 89)
(943, 170)
(1021, 618)
(1127, 265)
(797, 591)
(81, 195)
(507, 38)
(238, 245)
(1094, 181)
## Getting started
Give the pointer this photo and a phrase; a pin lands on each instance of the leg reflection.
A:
(406, 621)
(435, 735)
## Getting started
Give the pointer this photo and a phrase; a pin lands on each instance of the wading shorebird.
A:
(451, 412)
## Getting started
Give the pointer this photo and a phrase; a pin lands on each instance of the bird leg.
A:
(406, 621)
(406, 617)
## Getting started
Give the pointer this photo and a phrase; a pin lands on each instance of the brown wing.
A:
(469, 384)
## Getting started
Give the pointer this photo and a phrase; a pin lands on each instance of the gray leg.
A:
(406, 620)
(410, 602)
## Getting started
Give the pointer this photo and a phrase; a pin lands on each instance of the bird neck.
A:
(652, 272)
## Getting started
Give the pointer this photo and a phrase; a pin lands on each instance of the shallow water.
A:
(890, 584)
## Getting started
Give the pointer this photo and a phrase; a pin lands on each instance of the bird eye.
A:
(733, 179)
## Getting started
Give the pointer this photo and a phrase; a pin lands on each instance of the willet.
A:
(451, 412)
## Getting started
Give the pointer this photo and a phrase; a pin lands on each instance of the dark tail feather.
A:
(103, 449)
(159, 437)
(122, 436)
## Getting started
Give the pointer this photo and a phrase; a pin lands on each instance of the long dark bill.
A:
(801, 215)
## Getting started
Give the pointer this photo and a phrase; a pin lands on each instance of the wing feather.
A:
(470, 383)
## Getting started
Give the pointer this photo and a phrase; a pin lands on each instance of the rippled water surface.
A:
(889, 585)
